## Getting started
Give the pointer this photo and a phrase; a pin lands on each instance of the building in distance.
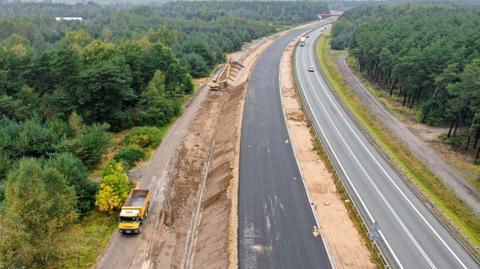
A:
(68, 18)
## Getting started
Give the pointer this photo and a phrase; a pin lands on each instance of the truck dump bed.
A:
(137, 198)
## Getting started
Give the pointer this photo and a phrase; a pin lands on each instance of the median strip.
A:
(338, 230)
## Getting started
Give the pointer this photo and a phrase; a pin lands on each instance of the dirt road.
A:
(421, 148)
(174, 173)
(130, 251)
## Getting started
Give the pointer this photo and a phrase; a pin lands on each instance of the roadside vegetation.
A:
(426, 58)
(447, 203)
(82, 102)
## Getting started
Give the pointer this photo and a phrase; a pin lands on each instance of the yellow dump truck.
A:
(135, 211)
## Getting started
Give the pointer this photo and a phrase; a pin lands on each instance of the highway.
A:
(275, 219)
(406, 227)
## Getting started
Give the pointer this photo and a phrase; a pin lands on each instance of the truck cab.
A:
(302, 41)
(129, 221)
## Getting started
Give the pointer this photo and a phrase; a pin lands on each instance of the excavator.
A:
(220, 81)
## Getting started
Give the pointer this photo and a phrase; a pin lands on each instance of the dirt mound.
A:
(212, 252)
(295, 116)
(190, 165)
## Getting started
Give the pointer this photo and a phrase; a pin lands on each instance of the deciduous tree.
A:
(114, 188)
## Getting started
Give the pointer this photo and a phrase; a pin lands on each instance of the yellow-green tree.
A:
(77, 39)
(38, 205)
(114, 188)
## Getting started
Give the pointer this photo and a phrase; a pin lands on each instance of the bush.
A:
(157, 106)
(145, 137)
(129, 155)
(89, 146)
(76, 176)
(5, 164)
(159, 113)
(114, 188)
(454, 141)
(26, 139)
(198, 66)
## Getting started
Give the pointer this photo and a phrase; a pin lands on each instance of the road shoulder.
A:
(347, 247)
(424, 151)
(460, 219)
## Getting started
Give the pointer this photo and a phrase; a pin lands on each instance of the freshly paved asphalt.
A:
(275, 218)
(411, 232)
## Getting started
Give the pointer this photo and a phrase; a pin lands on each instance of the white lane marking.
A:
(327, 249)
(385, 172)
(284, 116)
(370, 179)
(350, 181)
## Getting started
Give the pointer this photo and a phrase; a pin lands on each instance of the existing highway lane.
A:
(275, 220)
(406, 227)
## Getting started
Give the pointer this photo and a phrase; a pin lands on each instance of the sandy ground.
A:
(184, 158)
(174, 173)
(346, 245)
(203, 239)
(133, 251)
(417, 138)
(215, 243)
(211, 249)
(190, 164)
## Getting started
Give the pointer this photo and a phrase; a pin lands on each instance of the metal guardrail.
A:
(465, 242)
(371, 227)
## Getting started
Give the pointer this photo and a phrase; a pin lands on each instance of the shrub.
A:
(159, 113)
(26, 139)
(129, 155)
(5, 164)
(89, 146)
(76, 176)
(454, 141)
(114, 188)
(145, 137)
(157, 106)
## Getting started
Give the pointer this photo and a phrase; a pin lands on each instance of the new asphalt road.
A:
(407, 228)
(275, 228)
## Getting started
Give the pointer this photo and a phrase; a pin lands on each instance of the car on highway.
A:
(310, 68)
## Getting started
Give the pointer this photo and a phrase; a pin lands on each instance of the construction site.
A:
(193, 177)
(194, 174)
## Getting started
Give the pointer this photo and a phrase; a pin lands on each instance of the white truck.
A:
(302, 41)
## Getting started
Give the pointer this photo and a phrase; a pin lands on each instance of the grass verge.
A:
(447, 204)
(456, 156)
(117, 140)
(84, 241)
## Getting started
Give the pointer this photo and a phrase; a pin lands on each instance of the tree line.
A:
(276, 11)
(65, 86)
(198, 42)
(427, 56)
